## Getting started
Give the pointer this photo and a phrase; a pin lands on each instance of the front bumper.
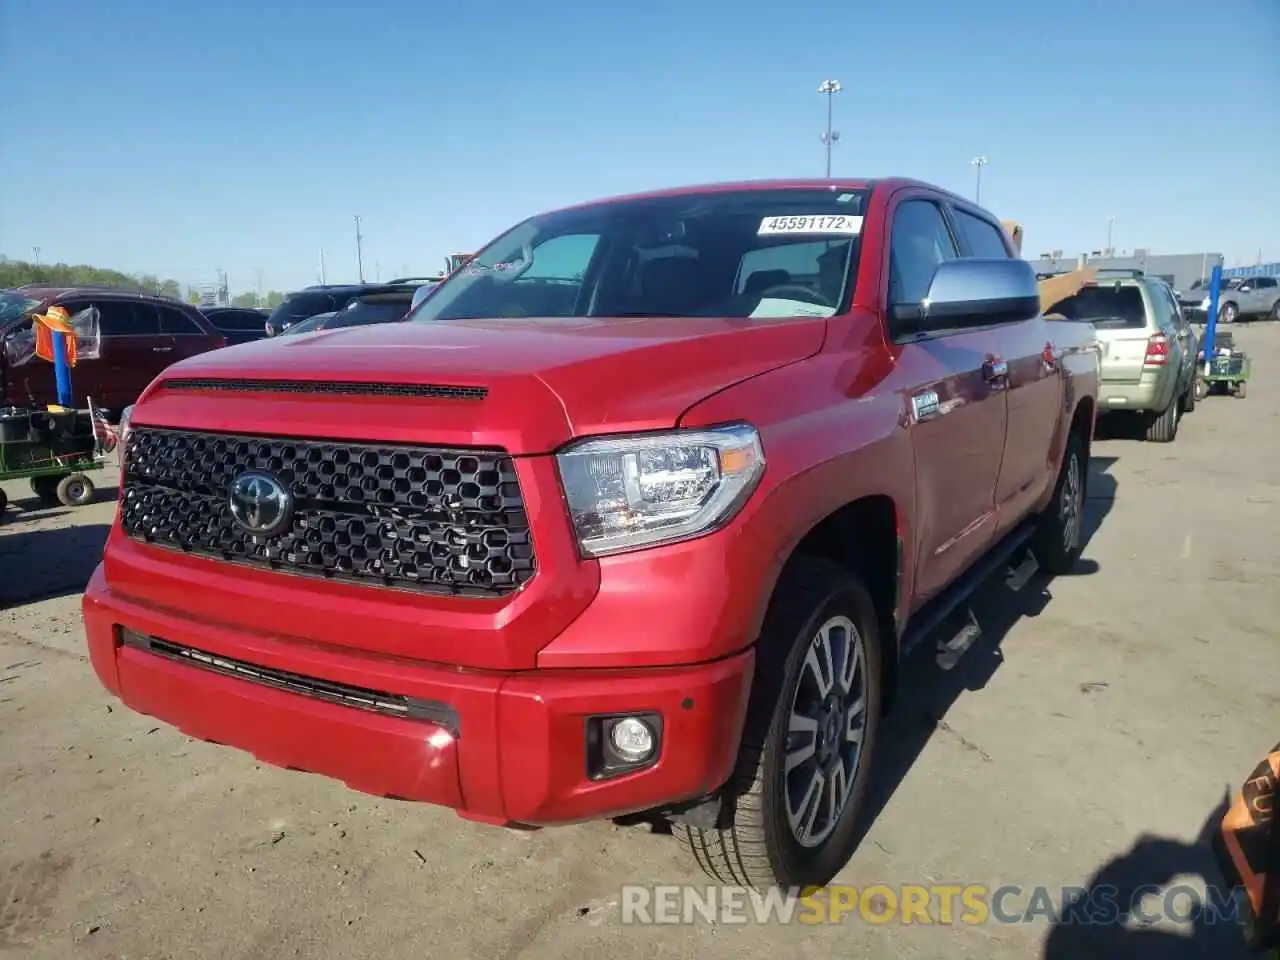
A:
(500, 747)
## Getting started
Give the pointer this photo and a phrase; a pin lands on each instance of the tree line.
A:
(16, 273)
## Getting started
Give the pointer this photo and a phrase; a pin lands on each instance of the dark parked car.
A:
(378, 305)
(140, 335)
(238, 324)
(309, 301)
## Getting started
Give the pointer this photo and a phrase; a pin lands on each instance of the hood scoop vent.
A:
(330, 388)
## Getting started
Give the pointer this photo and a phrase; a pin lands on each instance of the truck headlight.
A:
(635, 491)
(1204, 304)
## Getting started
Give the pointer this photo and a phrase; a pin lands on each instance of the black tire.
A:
(1275, 311)
(4, 501)
(1240, 390)
(1059, 537)
(46, 489)
(1228, 313)
(75, 490)
(1163, 428)
(755, 843)
(1200, 388)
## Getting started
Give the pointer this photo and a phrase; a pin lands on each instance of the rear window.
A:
(237, 321)
(1114, 306)
(371, 310)
(302, 305)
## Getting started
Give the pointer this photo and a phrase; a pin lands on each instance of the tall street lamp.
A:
(978, 163)
(830, 137)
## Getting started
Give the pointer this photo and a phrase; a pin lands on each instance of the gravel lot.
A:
(1096, 725)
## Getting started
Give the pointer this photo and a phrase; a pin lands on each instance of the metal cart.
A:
(1228, 373)
(53, 449)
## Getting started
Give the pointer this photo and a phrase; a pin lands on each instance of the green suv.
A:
(1148, 349)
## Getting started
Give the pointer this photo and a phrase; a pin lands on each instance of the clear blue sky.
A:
(176, 138)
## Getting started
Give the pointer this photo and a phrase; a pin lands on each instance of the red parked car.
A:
(640, 512)
(140, 336)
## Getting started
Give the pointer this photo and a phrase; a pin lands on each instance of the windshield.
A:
(1111, 307)
(743, 253)
(14, 305)
(307, 325)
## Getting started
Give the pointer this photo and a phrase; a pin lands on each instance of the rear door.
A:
(956, 406)
(185, 337)
(1181, 340)
(1267, 295)
(1033, 386)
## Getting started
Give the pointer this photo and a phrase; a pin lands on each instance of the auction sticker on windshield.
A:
(822, 224)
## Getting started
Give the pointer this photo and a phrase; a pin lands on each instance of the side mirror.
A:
(1246, 288)
(974, 292)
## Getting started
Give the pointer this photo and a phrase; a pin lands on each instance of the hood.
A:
(529, 385)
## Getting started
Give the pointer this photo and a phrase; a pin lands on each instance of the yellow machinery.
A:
(1053, 290)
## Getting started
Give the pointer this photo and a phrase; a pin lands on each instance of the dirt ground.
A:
(1087, 737)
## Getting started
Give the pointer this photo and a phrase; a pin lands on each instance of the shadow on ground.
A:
(926, 692)
(1108, 925)
(38, 563)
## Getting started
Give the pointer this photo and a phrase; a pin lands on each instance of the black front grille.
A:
(426, 519)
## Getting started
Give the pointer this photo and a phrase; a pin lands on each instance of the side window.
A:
(980, 237)
(552, 284)
(1167, 314)
(178, 323)
(123, 318)
(563, 258)
(1266, 283)
(920, 241)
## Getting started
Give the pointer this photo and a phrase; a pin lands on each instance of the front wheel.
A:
(75, 490)
(1228, 313)
(790, 809)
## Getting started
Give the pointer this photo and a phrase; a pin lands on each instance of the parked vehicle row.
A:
(139, 334)
(1239, 298)
(640, 513)
(1148, 350)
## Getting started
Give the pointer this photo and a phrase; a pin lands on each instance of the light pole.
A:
(359, 251)
(36, 251)
(978, 163)
(1110, 223)
(830, 137)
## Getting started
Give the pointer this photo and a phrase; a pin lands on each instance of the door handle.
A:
(161, 349)
(995, 370)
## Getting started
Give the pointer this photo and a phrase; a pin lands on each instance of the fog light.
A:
(632, 739)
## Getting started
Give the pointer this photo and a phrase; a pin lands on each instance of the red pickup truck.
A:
(640, 513)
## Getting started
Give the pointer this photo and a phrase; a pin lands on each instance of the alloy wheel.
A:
(825, 733)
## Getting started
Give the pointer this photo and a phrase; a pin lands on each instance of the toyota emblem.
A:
(260, 504)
